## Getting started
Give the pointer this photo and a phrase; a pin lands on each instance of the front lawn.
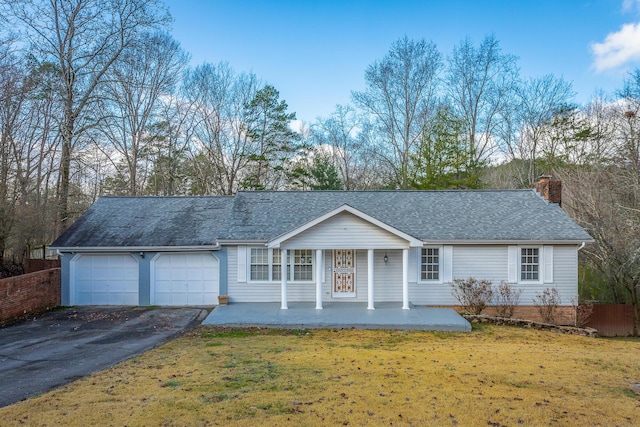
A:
(492, 376)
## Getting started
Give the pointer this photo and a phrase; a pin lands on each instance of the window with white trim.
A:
(265, 265)
(430, 264)
(530, 264)
(259, 264)
(303, 265)
(276, 265)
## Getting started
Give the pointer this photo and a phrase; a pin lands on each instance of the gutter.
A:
(214, 247)
(505, 242)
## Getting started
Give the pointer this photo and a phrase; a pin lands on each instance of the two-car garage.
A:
(177, 279)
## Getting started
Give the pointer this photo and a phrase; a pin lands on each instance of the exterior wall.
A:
(387, 276)
(245, 291)
(144, 277)
(29, 293)
(387, 284)
(489, 262)
(345, 231)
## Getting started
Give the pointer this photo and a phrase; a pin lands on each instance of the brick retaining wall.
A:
(29, 293)
(566, 314)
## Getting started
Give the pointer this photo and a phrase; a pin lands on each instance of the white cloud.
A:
(618, 49)
(299, 126)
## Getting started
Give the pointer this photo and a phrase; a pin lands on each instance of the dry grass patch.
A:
(493, 376)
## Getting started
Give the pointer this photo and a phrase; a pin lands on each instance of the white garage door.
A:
(104, 280)
(185, 279)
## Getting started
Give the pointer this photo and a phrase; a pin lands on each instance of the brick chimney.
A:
(549, 188)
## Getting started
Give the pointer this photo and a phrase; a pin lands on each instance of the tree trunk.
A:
(636, 310)
(65, 167)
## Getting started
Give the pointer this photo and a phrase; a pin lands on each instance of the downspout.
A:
(581, 246)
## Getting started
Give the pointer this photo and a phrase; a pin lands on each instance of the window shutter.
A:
(513, 259)
(414, 264)
(242, 264)
(548, 264)
(447, 264)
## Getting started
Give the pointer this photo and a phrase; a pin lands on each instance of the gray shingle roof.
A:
(431, 216)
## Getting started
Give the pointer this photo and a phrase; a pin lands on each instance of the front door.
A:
(344, 273)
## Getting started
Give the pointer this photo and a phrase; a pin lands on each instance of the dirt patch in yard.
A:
(495, 375)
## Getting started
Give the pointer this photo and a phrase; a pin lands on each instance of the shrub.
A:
(10, 268)
(547, 303)
(506, 298)
(583, 313)
(472, 294)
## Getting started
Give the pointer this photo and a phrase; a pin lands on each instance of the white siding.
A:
(387, 276)
(481, 262)
(261, 292)
(345, 231)
(565, 277)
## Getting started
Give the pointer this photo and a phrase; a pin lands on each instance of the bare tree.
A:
(540, 100)
(12, 100)
(145, 72)
(603, 195)
(27, 150)
(400, 95)
(221, 145)
(168, 145)
(83, 38)
(604, 200)
(481, 83)
(342, 137)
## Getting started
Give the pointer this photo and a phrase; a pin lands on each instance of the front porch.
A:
(337, 315)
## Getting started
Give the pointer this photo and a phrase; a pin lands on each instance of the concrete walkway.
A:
(337, 315)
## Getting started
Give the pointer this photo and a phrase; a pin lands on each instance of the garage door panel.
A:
(163, 286)
(185, 279)
(105, 280)
(178, 272)
(163, 274)
(195, 274)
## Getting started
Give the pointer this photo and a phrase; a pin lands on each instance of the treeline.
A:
(96, 97)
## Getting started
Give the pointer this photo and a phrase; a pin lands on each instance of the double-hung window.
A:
(266, 265)
(302, 265)
(259, 264)
(530, 264)
(430, 265)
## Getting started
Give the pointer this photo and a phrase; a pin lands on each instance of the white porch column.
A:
(370, 305)
(405, 279)
(319, 269)
(283, 283)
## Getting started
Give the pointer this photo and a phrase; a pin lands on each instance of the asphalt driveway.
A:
(59, 347)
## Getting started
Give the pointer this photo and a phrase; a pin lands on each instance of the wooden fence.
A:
(612, 320)
(33, 265)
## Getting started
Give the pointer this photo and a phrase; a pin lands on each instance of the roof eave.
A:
(213, 247)
(507, 242)
(275, 242)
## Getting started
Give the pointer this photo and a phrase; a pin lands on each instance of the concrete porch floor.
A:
(337, 315)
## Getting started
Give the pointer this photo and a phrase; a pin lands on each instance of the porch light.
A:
(386, 258)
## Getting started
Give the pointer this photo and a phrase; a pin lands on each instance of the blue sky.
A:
(315, 52)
